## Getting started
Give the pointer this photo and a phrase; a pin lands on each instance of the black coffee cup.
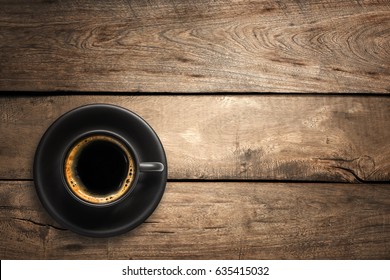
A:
(101, 168)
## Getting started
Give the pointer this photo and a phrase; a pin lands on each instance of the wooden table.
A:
(275, 117)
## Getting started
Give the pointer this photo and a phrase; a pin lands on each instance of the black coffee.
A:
(99, 169)
(102, 166)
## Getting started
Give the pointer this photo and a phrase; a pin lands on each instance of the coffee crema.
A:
(99, 169)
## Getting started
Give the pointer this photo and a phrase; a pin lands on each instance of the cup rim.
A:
(109, 134)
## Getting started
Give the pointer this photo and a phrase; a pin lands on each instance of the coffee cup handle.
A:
(151, 167)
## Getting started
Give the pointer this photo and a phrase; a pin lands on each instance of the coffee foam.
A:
(76, 185)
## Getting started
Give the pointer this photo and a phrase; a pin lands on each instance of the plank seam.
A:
(360, 182)
(25, 94)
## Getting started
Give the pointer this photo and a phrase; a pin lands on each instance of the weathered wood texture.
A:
(195, 46)
(216, 221)
(313, 138)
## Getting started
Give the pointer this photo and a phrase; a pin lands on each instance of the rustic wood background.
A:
(195, 46)
(256, 171)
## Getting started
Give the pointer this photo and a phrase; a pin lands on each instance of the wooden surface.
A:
(308, 138)
(216, 221)
(223, 138)
(195, 46)
(252, 175)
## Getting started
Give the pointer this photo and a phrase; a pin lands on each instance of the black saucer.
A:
(52, 189)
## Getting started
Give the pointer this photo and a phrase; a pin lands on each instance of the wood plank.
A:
(313, 138)
(216, 221)
(195, 46)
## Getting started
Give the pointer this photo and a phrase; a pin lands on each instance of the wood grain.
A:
(195, 46)
(311, 138)
(216, 221)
